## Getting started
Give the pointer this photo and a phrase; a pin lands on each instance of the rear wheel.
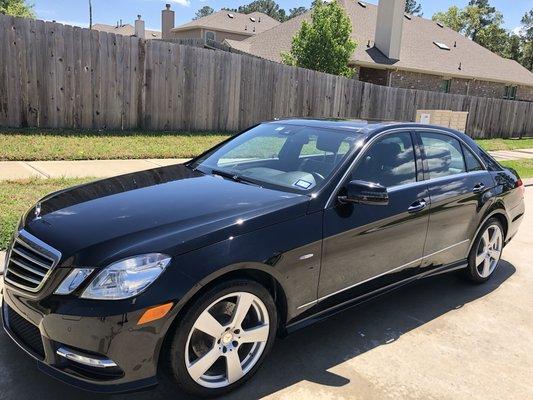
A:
(486, 251)
(223, 338)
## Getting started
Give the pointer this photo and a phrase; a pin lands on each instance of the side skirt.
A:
(342, 306)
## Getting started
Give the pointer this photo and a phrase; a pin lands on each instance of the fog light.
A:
(84, 359)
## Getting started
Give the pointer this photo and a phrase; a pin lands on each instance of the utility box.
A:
(448, 118)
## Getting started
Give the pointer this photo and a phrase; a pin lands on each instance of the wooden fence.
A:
(59, 76)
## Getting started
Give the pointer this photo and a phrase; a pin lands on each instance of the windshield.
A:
(297, 158)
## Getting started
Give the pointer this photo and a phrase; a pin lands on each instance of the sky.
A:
(76, 12)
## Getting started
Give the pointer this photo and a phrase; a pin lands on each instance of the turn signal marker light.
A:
(155, 313)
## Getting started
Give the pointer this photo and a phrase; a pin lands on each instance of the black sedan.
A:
(194, 269)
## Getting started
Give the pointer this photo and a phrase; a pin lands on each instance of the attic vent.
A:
(440, 24)
(252, 19)
(231, 15)
(441, 46)
(362, 4)
(408, 17)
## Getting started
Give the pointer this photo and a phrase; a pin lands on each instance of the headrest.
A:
(329, 142)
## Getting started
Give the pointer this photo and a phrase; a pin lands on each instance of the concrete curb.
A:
(2, 260)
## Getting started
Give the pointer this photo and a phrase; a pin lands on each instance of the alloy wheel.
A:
(227, 340)
(489, 250)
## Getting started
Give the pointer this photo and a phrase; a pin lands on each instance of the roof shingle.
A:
(251, 24)
(465, 59)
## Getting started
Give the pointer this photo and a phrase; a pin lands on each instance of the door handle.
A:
(478, 188)
(417, 206)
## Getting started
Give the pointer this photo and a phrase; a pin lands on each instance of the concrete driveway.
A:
(441, 338)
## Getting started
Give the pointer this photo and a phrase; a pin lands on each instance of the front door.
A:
(369, 246)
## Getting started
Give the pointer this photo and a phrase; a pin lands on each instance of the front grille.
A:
(27, 333)
(30, 262)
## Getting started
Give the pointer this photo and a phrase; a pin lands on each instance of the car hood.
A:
(171, 209)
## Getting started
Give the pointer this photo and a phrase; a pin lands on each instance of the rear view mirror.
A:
(361, 192)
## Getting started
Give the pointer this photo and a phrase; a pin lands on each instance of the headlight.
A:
(73, 280)
(126, 278)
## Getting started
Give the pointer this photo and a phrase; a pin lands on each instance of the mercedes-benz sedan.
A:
(194, 269)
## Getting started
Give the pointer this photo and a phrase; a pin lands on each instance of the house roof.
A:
(246, 24)
(419, 53)
(126, 30)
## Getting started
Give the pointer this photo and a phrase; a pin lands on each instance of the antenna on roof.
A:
(460, 66)
(440, 24)
(362, 4)
(455, 44)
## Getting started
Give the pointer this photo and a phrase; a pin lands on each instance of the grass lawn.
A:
(506, 144)
(524, 167)
(16, 197)
(37, 144)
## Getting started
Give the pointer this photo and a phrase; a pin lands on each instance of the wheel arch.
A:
(259, 273)
(497, 211)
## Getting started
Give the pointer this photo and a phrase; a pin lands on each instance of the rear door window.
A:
(443, 154)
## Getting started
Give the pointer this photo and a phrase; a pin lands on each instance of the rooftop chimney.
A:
(389, 27)
(167, 22)
(139, 28)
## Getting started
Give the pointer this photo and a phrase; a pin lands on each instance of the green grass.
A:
(37, 144)
(524, 167)
(506, 144)
(16, 197)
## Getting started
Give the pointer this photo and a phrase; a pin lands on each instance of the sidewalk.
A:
(12, 170)
(505, 155)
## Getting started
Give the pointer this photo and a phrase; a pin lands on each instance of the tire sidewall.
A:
(179, 341)
(473, 273)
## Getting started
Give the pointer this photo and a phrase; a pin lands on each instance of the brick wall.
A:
(524, 93)
(414, 80)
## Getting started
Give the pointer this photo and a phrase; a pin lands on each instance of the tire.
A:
(484, 257)
(228, 340)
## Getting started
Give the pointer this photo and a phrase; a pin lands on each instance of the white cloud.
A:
(73, 23)
(518, 31)
(184, 3)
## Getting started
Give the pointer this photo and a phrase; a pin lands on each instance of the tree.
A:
(413, 7)
(268, 7)
(526, 58)
(18, 8)
(203, 12)
(324, 44)
(513, 49)
(294, 12)
(453, 18)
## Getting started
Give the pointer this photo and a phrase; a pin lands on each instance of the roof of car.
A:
(362, 126)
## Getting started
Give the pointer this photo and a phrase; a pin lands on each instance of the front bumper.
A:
(132, 348)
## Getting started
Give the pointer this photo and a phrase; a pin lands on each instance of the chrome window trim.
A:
(367, 145)
(35, 244)
(380, 275)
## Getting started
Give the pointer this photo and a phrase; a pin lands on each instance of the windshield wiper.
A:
(233, 177)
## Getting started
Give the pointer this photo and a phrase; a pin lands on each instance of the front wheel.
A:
(223, 338)
(486, 251)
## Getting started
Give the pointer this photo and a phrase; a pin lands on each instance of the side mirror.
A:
(361, 192)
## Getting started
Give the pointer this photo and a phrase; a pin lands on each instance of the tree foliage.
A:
(18, 8)
(324, 44)
(270, 8)
(483, 24)
(413, 7)
(203, 12)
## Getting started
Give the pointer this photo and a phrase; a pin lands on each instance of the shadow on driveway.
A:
(304, 355)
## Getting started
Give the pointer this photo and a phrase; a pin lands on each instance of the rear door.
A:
(457, 184)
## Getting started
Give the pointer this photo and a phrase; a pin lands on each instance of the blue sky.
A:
(75, 12)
